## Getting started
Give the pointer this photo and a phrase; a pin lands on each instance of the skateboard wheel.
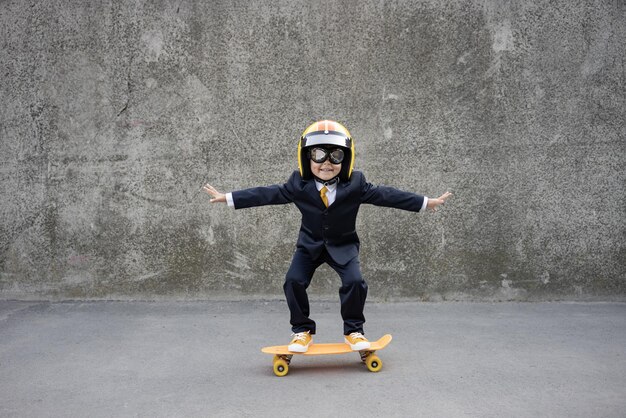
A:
(374, 363)
(281, 367)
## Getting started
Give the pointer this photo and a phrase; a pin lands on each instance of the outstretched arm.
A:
(390, 196)
(399, 199)
(278, 194)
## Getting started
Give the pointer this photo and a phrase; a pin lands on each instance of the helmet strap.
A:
(327, 182)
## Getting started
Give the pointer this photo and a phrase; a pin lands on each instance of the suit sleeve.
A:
(390, 197)
(278, 194)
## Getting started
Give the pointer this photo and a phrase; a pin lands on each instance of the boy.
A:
(328, 193)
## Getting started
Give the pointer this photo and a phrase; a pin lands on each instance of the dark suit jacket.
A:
(332, 227)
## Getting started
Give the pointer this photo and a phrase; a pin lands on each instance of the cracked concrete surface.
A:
(114, 114)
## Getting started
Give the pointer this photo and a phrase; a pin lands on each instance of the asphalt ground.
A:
(188, 359)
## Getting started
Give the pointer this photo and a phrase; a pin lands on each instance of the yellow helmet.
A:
(326, 132)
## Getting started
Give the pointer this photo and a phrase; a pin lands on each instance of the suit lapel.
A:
(311, 190)
(341, 192)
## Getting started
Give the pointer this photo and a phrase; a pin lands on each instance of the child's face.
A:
(325, 170)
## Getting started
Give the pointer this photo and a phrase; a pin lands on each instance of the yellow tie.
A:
(323, 195)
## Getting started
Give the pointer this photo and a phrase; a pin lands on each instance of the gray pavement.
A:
(153, 359)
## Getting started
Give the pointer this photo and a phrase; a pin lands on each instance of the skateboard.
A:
(282, 356)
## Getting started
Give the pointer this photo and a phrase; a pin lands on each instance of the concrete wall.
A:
(113, 115)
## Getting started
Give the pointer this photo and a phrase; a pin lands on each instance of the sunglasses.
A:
(319, 155)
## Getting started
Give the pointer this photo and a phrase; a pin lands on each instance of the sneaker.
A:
(357, 341)
(300, 342)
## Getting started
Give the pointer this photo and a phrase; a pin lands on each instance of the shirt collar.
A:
(330, 187)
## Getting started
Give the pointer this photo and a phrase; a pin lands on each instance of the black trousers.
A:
(352, 293)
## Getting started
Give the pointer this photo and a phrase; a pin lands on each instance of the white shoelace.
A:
(301, 336)
(357, 336)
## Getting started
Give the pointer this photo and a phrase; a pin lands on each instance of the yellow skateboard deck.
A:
(282, 356)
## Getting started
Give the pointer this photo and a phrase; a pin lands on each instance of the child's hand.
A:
(217, 197)
(433, 203)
